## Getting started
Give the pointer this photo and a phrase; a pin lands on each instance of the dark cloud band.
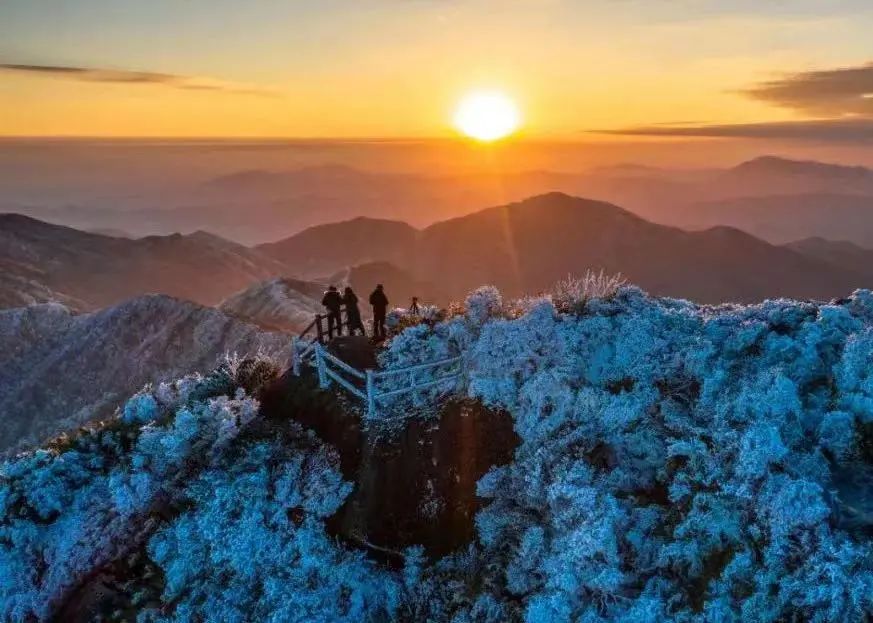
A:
(855, 130)
(841, 99)
(122, 76)
(831, 92)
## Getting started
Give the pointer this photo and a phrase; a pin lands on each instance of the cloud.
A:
(123, 76)
(840, 100)
(845, 130)
(829, 92)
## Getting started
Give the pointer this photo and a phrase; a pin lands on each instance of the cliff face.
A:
(58, 370)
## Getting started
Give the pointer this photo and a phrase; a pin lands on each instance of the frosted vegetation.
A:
(677, 462)
(243, 536)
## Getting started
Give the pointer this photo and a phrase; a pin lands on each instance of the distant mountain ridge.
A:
(527, 246)
(522, 247)
(278, 203)
(90, 271)
(811, 173)
(784, 218)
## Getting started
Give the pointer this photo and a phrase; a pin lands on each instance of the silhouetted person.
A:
(380, 306)
(334, 303)
(353, 314)
(414, 308)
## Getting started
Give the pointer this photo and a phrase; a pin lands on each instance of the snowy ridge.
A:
(677, 463)
(278, 304)
(60, 370)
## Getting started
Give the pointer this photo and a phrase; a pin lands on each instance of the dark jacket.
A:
(379, 301)
(332, 300)
(350, 300)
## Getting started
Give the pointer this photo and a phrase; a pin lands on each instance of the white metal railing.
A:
(301, 350)
(332, 369)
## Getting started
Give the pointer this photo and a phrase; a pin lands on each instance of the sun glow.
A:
(487, 116)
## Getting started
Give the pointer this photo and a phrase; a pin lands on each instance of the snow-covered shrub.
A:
(677, 462)
(253, 546)
(66, 511)
(400, 319)
(570, 295)
(483, 303)
(242, 532)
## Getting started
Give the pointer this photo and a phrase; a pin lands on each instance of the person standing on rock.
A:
(353, 314)
(414, 309)
(333, 302)
(380, 307)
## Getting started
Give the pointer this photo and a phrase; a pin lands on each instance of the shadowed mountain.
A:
(526, 247)
(80, 367)
(783, 218)
(46, 262)
(400, 284)
(325, 249)
(840, 253)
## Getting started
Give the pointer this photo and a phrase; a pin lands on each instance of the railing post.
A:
(319, 329)
(323, 381)
(295, 357)
(371, 395)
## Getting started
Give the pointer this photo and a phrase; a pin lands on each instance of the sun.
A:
(487, 116)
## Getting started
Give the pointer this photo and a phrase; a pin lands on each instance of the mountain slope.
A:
(768, 175)
(280, 304)
(67, 265)
(840, 253)
(77, 367)
(399, 283)
(323, 250)
(784, 218)
(526, 247)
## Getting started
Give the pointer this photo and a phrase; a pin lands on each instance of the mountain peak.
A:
(770, 164)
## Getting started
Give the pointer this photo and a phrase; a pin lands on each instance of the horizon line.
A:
(588, 140)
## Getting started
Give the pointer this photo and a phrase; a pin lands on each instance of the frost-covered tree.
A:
(677, 462)
(242, 532)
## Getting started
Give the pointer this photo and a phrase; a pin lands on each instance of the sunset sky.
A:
(396, 68)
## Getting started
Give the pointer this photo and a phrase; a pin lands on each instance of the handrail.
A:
(309, 328)
(421, 366)
(348, 386)
(342, 364)
(331, 368)
(406, 390)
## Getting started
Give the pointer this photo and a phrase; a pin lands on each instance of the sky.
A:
(577, 69)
